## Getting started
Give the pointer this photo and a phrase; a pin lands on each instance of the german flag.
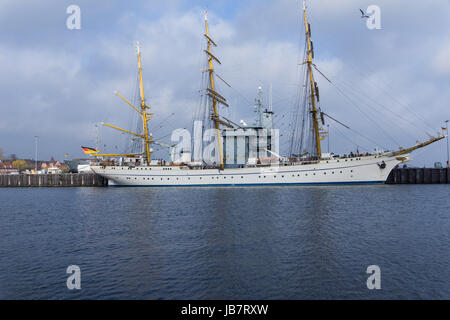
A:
(88, 150)
(444, 129)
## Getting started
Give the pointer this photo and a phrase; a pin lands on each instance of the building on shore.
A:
(7, 168)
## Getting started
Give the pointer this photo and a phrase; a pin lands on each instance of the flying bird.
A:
(363, 15)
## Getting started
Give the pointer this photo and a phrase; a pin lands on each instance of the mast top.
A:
(304, 5)
(138, 47)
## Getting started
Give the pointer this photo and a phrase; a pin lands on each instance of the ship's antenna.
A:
(270, 97)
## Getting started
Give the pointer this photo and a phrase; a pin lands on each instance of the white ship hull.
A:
(368, 169)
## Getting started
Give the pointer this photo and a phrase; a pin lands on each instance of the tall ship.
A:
(241, 154)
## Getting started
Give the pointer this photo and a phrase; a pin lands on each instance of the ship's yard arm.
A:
(311, 79)
(214, 99)
(128, 102)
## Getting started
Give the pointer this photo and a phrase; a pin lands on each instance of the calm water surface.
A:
(226, 243)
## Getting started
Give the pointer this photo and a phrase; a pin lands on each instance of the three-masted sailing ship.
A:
(300, 167)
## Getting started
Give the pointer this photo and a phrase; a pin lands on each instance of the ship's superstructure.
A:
(249, 154)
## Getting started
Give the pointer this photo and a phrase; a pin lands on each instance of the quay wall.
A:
(419, 176)
(53, 180)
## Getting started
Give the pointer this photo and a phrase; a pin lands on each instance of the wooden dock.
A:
(419, 176)
(53, 180)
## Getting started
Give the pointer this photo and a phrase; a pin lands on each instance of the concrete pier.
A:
(53, 180)
(419, 176)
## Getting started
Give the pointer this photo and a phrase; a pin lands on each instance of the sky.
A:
(390, 85)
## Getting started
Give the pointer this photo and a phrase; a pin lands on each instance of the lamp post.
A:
(35, 153)
(448, 154)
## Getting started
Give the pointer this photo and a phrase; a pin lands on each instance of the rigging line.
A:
(372, 102)
(406, 105)
(242, 96)
(356, 105)
(161, 123)
(422, 120)
(352, 85)
(350, 140)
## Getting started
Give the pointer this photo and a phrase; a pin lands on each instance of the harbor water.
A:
(295, 242)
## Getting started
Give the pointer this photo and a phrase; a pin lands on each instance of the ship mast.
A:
(145, 118)
(215, 97)
(314, 110)
(142, 110)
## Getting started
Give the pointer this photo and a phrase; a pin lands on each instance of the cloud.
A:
(441, 59)
(59, 83)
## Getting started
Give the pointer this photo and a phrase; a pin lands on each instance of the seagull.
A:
(363, 15)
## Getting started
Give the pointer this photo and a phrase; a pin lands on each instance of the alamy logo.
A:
(242, 146)
(74, 20)
(374, 280)
(373, 17)
(74, 280)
